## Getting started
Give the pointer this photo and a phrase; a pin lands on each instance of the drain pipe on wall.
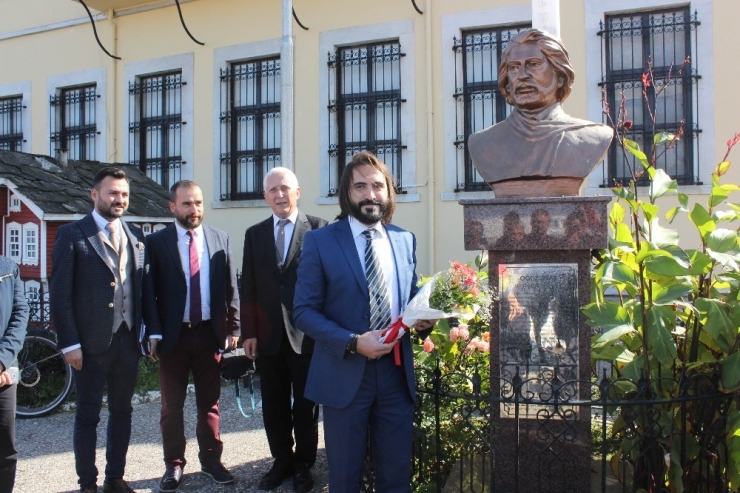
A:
(112, 99)
(431, 184)
(287, 112)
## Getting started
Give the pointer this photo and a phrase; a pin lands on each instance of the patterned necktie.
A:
(196, 312)
(280, 241)
(380, 306)
(112, 228)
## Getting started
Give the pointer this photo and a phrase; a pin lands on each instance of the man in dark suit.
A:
(191, 311)
(95, 297)
(272, 252)
(13, 320)
(356, 277)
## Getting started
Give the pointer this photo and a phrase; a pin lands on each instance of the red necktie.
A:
(196, 313)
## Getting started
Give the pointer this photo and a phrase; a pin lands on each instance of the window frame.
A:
(704, 152)
(23, 90)
(259, 157)
(16, 228)
(96, 77)
(153, 120)
(13, 107)
(626, 77)
(453, 25)
(329, 41)
(26, 258)
(183, 63)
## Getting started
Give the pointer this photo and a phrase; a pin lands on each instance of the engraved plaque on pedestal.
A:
(538, 316)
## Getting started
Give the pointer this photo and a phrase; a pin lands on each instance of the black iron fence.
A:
(477, 433)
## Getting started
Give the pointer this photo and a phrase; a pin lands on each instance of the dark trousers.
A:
(196, 350)
(282, 375)
(117, 367)
(383, 405)
(8, 452)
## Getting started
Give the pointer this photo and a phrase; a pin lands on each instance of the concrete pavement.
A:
(46, 462)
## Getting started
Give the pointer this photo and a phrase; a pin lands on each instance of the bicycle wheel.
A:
(46, 378)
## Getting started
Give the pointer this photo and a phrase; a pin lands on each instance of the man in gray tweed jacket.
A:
(95, 297)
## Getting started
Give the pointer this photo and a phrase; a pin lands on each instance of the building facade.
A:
(407, 79)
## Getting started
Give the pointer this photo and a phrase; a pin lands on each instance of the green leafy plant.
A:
(670, 314)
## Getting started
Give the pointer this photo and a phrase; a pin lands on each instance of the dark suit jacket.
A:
(83, 285)
(265, 287)
(332, 303)
(13, 313)
(165, 288)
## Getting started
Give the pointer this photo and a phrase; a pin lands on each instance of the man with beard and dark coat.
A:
(191, 311)
(356, 277)
(95, 297)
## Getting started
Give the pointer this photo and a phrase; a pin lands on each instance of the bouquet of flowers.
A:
(454, 293)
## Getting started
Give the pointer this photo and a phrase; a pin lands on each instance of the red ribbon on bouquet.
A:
(393, 333)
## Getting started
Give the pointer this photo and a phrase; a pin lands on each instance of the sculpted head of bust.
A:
(535, 71)
(538, 149)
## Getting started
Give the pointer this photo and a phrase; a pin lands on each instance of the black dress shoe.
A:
(171, 479)
(217, 472)
(117, 486)
(303, 480)
(278, 473)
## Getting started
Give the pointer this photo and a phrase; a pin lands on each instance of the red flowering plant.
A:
(463, 299)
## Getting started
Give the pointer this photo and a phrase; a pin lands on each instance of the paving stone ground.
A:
(46, 463)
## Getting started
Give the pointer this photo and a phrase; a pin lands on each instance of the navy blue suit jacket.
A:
(331, 303)
(83, 285)
(165, 288)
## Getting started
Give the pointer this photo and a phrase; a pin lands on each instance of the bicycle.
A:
(45, 377)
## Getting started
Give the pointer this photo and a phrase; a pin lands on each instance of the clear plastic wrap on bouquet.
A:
(418, 309)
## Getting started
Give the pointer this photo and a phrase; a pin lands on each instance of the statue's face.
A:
(533, 83)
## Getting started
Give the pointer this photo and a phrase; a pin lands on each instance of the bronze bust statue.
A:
(538, 150)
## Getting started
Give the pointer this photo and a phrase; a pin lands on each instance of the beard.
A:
(189, 222)
(369, 216)
(109, 212)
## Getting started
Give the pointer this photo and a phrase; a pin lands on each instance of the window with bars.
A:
(479, 103)
(73, 125)
(11, 123)
(664, 39)
(365, 107)
(250, 126)
(155, 124)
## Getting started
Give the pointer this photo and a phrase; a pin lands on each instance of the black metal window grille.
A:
(480, 104)
(73, 126)
(663, 37)
(11, 123)
(155, 126)
(365, 107)
(250, 126)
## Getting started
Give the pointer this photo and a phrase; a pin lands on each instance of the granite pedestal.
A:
(539, 252)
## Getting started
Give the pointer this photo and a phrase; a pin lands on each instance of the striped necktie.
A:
(380, 306)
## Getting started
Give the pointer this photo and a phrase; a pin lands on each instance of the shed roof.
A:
(59, 190)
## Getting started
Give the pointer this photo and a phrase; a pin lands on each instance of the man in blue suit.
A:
(353, 374)
(191, 311)
(95, 297)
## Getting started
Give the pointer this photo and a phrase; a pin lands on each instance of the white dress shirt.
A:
(183, 245)
(383, 250)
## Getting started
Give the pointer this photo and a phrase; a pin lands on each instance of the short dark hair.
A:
(104, 173)
(181, 184)
(553, 50)
(365, 158)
